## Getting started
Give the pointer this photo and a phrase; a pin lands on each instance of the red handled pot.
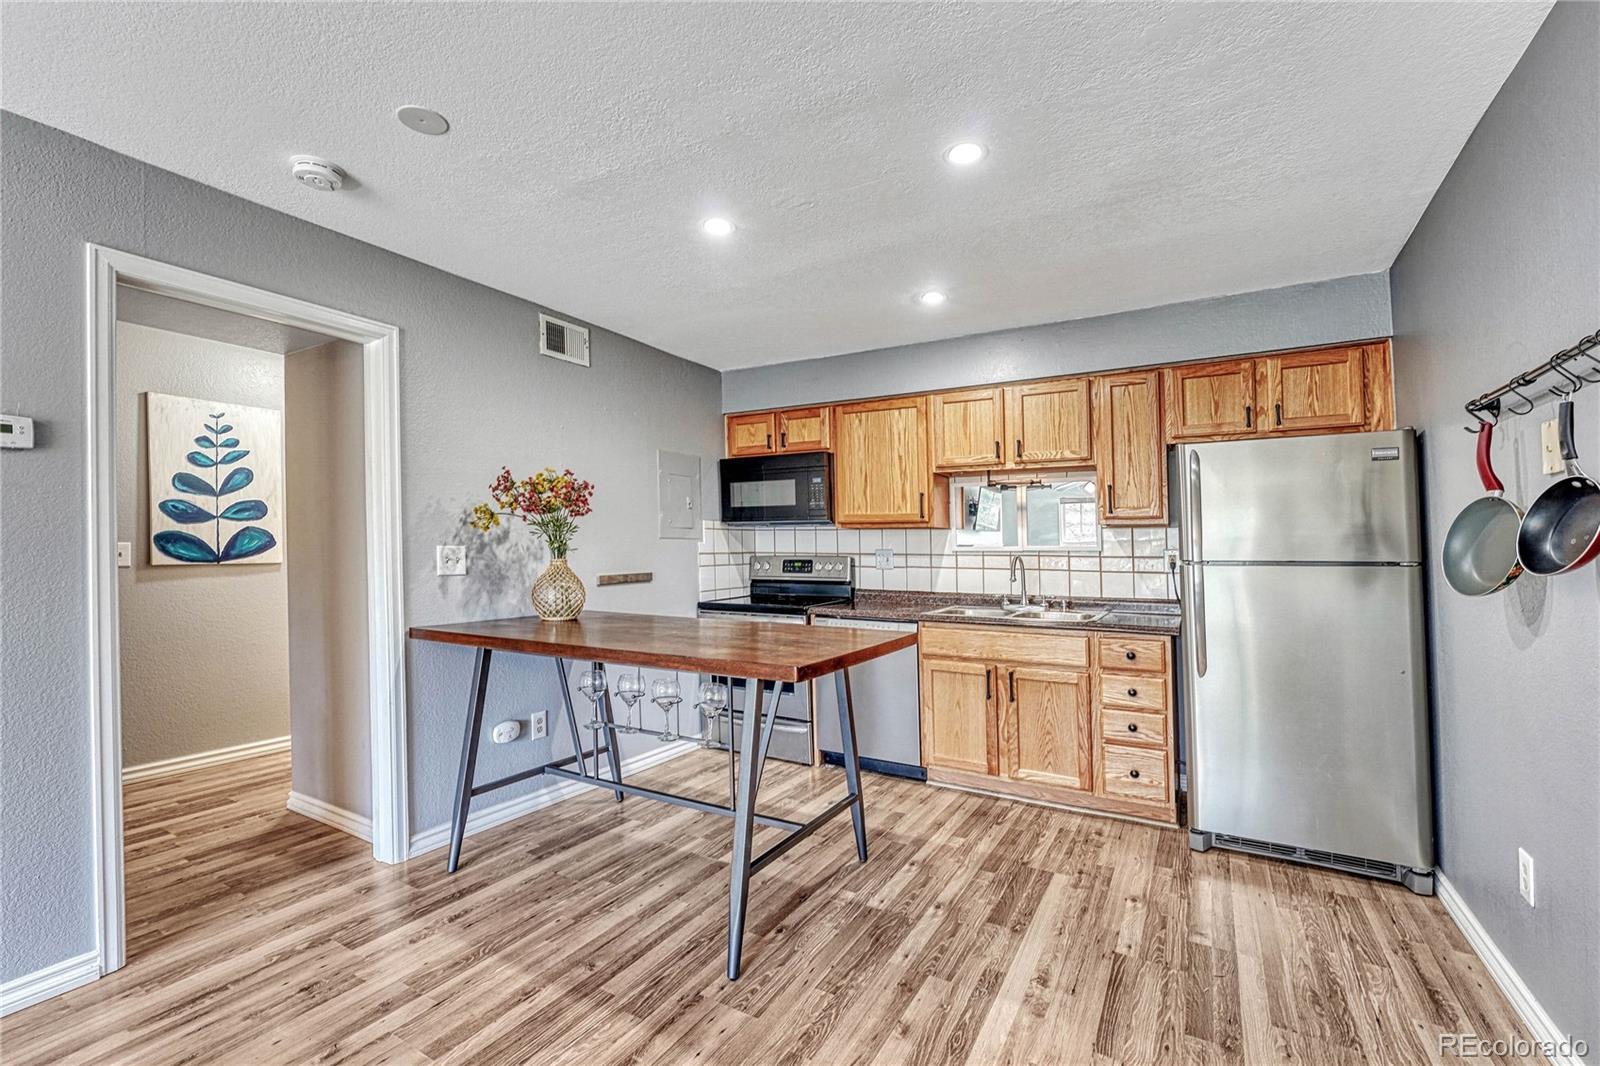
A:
(1480, 551)
(1561, 531)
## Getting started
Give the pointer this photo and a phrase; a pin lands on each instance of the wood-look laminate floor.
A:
(980, 932)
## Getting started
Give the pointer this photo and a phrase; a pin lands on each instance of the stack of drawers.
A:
(1135, 715)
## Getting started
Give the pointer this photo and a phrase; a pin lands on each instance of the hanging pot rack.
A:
(1519, 387)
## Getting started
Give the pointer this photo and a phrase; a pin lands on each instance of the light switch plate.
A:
(124, 554)
(1550, 447)
(450, 560)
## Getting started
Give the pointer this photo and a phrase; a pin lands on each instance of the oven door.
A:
(791, 731)
(777, 488)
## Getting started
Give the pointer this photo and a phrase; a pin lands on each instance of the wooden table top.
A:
(769, 651)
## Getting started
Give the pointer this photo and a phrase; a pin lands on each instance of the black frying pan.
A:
(1480, 551)
(1561, 531)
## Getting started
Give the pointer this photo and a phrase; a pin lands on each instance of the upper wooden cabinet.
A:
(752, 434)
(1048, 423)
(805, 429)
(968, 427)
(796, 429)
(1322, 391)
(1316, 390)
(882, 465)
(1131, 449)
(1206, 401)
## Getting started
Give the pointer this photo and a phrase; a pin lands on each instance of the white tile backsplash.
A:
(1131, 565)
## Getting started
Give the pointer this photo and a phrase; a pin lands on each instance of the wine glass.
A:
(667, 694)
(630, 690)
(592, 683)
(713, 697)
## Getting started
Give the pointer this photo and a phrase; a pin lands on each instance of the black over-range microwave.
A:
(777, 488)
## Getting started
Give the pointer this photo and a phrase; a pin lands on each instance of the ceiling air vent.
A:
(563, 340)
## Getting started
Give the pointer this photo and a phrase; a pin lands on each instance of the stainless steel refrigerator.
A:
(1305, 666)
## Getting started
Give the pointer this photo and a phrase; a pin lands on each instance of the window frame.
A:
(958, 485)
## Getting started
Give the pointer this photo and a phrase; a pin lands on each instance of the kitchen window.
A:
(1057, 514)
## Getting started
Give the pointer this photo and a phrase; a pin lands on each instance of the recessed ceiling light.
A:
(422, 120)
(964, 154)
(931, 298)
(717, 227)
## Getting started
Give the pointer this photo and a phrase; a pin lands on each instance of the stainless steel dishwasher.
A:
(888, 708)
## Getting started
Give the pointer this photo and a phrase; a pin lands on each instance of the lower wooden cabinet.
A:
(1054, 716)
(1047, 727)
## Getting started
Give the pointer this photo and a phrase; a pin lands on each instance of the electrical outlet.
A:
(1550, 447)
(538, 725)
(883, 558)
(506, 732)
(1171, 557)
(1525, 876)
(450, 560)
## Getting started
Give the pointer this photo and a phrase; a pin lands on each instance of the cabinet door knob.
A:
(1133, 692)
(1132, 655)
(1133, 774)
(1133, 727)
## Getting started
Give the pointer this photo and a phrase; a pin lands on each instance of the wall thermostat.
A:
(16, 431)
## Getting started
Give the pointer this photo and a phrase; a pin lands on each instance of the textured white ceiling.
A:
(1140, 153)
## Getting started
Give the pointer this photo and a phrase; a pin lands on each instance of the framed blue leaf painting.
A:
(216, 482)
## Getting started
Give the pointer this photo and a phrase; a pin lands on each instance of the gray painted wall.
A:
(180, 693)
(1323, 312)
(326, 548)
(474, 395)
(1503, 270)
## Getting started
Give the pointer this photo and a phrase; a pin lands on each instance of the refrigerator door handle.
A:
(1191, 513)
(1191, 518)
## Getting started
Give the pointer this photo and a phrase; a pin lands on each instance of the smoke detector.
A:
(316, 173)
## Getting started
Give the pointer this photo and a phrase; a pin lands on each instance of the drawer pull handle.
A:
(1132, 655)
(1133, 774)
(1133, 692)
(1133, 727)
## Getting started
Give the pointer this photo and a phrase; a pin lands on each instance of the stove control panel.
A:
(833, 568)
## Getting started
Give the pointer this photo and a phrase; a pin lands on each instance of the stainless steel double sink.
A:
(1018, 613)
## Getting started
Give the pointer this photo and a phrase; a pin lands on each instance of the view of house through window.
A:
(1059, 513)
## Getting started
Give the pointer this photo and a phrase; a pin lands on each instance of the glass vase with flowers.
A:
(550, 503)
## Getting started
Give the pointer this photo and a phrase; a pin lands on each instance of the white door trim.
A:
(106, 268)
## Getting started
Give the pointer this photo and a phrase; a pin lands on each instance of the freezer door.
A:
(1343, 497)
(1306, 702)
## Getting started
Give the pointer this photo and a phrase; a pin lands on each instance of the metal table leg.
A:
(572, 721)
(469, 755)
(743, 825)
(852, 764)
(613, 756)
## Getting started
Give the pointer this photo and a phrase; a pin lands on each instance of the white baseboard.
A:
(1540, 1025)
(483, 818)
(349, 821)
(178, 765)
(63, 976)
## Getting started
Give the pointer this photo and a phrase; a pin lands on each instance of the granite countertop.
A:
(1158, 617)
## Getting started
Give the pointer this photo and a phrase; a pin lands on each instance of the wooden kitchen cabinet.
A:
(1047, 726)
(1318, 391)
(794, 429)
(1050, 715)
(1211, 401)
(882, 466)
(958, 715)
(1130, 449)
(752, 434)
(805, 429)
(1048, 423)
(968, 427)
